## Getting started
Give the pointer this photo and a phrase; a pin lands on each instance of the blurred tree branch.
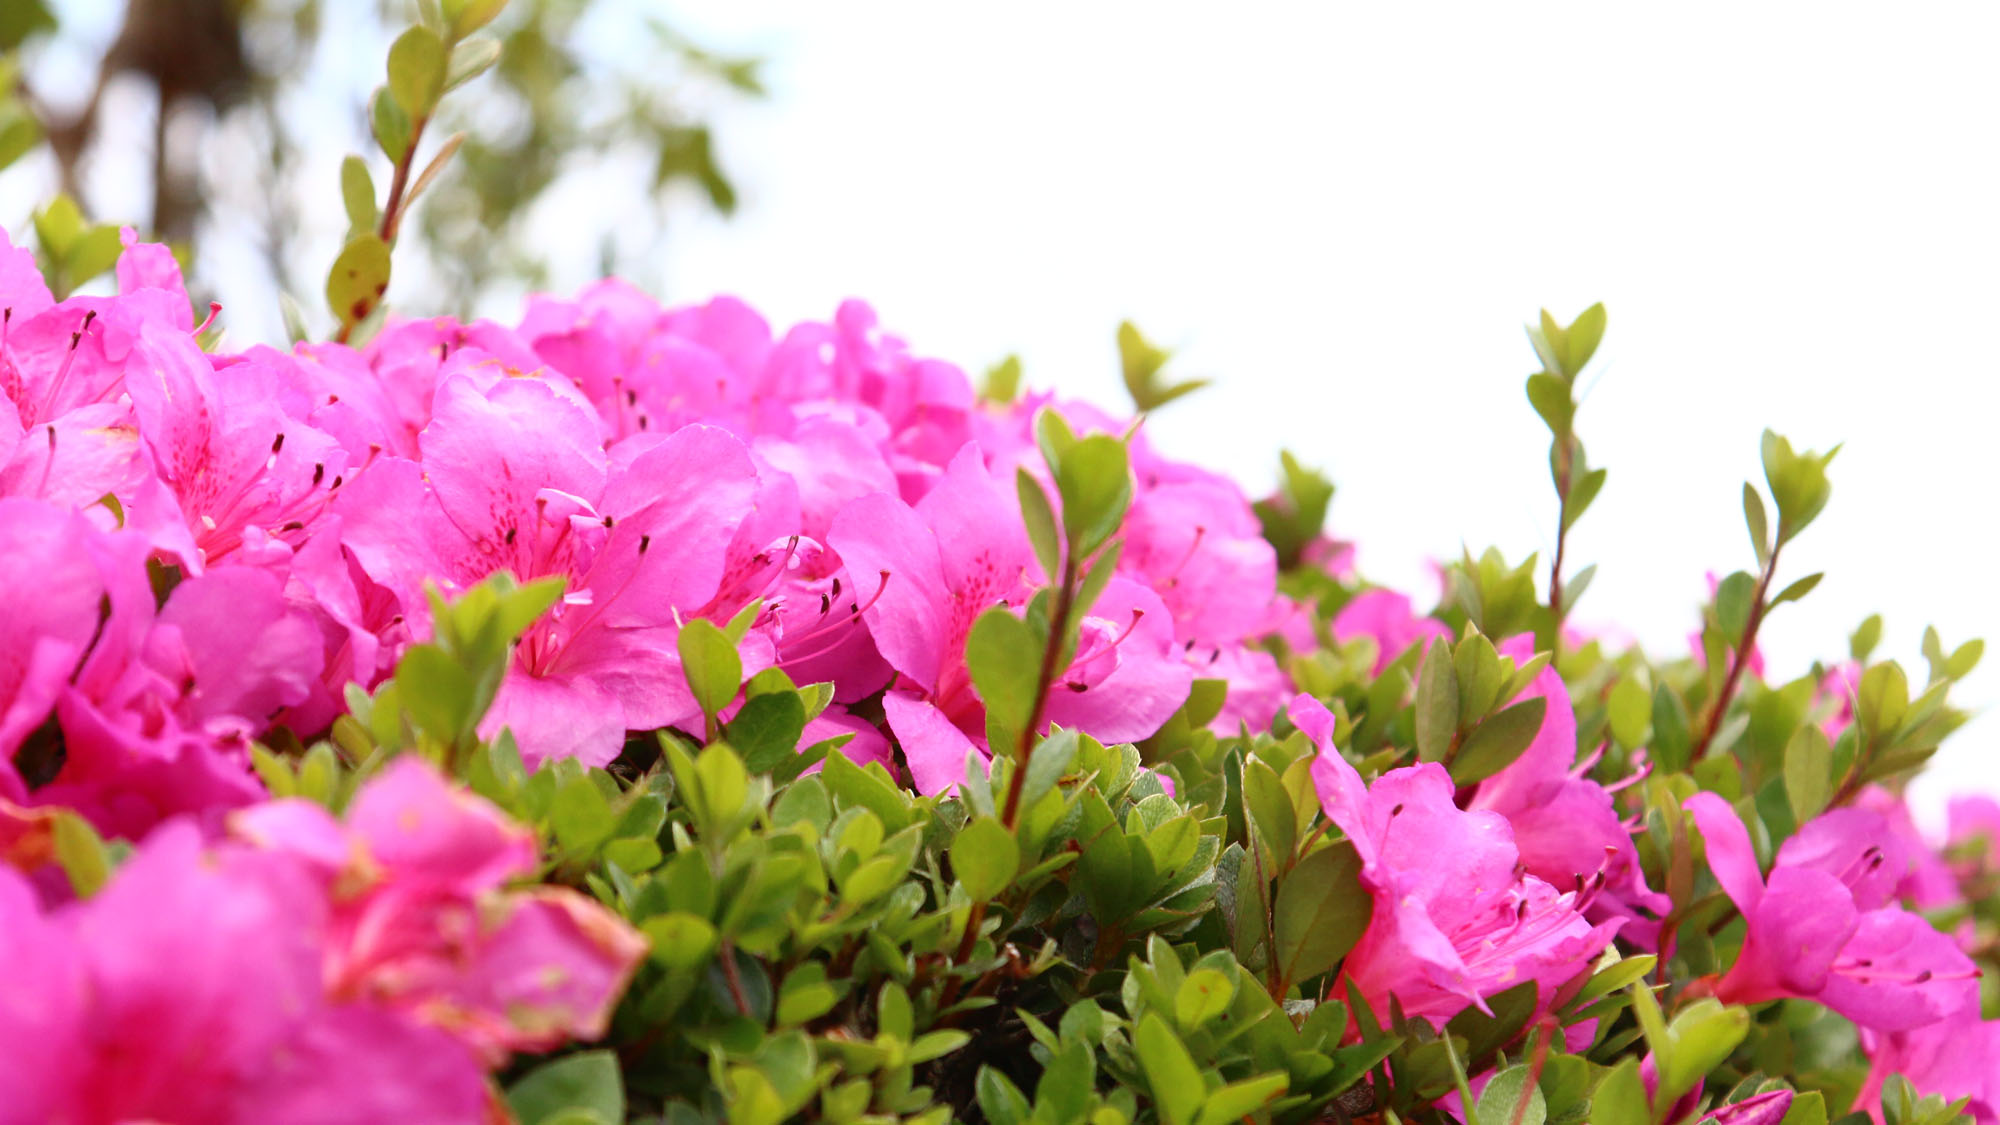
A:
(231, 74)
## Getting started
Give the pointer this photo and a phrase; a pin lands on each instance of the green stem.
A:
(1741, 658)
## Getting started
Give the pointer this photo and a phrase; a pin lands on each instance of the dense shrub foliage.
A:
(634, 714)
(630, 714)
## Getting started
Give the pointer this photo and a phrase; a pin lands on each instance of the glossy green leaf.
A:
(1493, 745)
(588, 1080)
(1320, 912)
(1004, 656)
(1437, 703)
(710, 663)
(417, 63)
(1512, 1098)
(359, 278)
(1095, 483)
(985, 858)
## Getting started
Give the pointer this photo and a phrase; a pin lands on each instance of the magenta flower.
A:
(1954, 1058)
(1565, 826)
(1819, 927)
(1386, 616)
(960, 551)
(1455, 919)
(96, 1031)
(419, 922)
(514, 478)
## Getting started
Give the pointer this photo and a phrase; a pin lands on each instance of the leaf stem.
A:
(1740, 659)
(392, 208)
(1044, 682)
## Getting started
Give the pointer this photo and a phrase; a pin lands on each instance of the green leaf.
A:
(1964, 659)
(1321, 911)
(1501, 1102)
(19, 133)
(1041, 523)
(1176, 1084)
(470, 59)
(709, 661)
(1808, 1108)
(588, 1080)
(1797, 590)
(359, 278)
(1069, 1081)
(1573, 589)
(681, 941)
(985, 858)
(1865, 638)
(1580, 339)
(21, 18)
(805, 995)
(1630, 711)
(1581, 493)
(1882, 698)
(1239, 1100)
(1620, 1097)
(437, 692)
(94, 251)
(1758, 524)
(1734, 599)
(1095, 483)
(468, 16)
(81, 854)
(767, 729)
(390, 125)
(1003, 381)
(1004, 655)
(580, 816)
(1495, 743)
(999, 1099)
(357, 192)
(1437, 703)
(1203, 995)
(1702, 1034)
(416, 71)
(1808, 773)
(1549, 394)
(58, 225)
(1672, 741)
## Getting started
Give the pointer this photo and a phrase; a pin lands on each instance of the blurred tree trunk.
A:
(191, 52)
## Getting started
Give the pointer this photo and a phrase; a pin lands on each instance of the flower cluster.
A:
(666, 466)
(303, 969)
(212, 554)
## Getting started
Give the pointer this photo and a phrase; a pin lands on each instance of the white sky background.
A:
(1346, 213)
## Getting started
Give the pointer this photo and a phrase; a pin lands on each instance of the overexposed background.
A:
(1345, 214)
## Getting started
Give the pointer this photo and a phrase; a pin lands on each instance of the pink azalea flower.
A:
(420, 924)
(1455, 919)
(1819, 927)
(514, 478)
(1953, 1058)
(98, 1032)
(1565, 826)
(226, 451)
(1926, 882)
(1836, 690)
(960, 551)
(1386, 616)
(1199, 546)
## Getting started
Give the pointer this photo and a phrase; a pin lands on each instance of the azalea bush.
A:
(636, 714)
